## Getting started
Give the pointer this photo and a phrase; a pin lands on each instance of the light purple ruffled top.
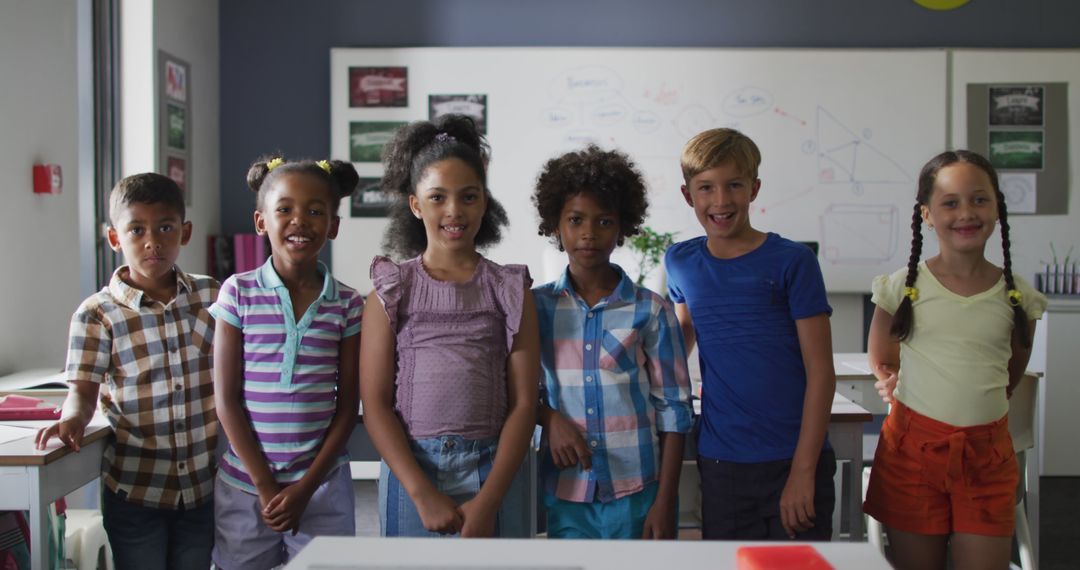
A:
(452, 344)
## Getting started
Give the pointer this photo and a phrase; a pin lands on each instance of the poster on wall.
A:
(174, 120)
(474, 106)
(1016, 105)
(378, 87)
(369, 201)
(176, 168)
(367, 138)
(1016, 150)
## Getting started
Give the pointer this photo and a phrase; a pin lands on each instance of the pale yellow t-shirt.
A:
(954, 365)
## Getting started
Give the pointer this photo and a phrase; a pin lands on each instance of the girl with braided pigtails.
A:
(949, 340)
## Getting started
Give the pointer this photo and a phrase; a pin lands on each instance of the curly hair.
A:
(608, 176)
(414, 148)
(341, 178)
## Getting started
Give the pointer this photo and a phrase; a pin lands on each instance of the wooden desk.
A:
(31, 480)
(339, 553)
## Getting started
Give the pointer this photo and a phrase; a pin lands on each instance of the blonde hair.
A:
(711, 148)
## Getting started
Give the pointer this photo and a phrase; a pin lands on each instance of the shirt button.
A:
(593, 443)
(181, 466)
(588, 347)
(590, 411)
(588, 378)
(179, 387)
(179, 425)
(589, 316)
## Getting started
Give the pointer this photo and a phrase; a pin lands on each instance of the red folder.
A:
(795, 557)
(16, 407)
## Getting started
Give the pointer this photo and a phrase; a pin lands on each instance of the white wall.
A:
(39, 286)
(187, 30)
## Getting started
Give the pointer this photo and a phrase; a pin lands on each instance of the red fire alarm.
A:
(47, 179)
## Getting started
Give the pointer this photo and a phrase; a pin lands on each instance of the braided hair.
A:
(414, 148)
(340, 176)
(903, 320)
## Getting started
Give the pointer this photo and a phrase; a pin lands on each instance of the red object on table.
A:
(795, 557)
(17, 407)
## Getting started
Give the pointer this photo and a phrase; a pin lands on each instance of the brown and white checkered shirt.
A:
(155, 361)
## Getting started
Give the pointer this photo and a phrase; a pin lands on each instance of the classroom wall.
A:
(275, 56)
(39, 284)
(187, 30)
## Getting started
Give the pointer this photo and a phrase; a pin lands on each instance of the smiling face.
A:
(297, 215)
(962, 209)
(450, 200)
(150, 237)
(721, 197)
(588, 232)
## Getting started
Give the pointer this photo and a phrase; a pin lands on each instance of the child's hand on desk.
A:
(797, 503)
(438, 512)
(479, 519)
(567, 444)
(886, 382)
(283, 512)
(70, 431)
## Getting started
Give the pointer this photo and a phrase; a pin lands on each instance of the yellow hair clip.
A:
(1015, 297)
(274, 163)
(911, 293)
(324, 165)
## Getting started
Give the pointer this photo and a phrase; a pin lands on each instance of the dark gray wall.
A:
(275, 54)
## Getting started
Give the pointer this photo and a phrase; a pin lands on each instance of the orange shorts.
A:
(930, 477)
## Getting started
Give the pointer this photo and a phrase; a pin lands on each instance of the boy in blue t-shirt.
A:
(755, 303)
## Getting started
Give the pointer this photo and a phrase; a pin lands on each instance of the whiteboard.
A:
(843, 135)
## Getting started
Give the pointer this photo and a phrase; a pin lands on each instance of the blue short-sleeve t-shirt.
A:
(744, 311)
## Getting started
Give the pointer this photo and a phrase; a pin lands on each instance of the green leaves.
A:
(650, 247)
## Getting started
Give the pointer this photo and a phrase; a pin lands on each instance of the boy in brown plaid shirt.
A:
(147, 337)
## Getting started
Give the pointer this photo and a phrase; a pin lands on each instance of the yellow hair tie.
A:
(274, 163)
(911, 293)
(324, 165)
(1015, 297)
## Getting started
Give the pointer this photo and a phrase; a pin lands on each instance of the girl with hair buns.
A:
(450, 356)
(286, 374)
(952, 336)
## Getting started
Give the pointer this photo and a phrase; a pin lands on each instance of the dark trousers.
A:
(149, 538)
(741, 501)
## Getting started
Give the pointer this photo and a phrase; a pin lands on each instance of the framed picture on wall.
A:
(369, 201)
(1019, 105)
(174, 120)
(366, 139)
(474, 106)
(378, 87)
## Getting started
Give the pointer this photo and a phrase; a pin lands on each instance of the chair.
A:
(85, 538)
(1022, 413)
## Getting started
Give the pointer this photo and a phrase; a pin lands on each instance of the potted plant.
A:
(649, 246)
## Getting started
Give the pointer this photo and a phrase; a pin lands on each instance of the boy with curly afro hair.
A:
(615, 395)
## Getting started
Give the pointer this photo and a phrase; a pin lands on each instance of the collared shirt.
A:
(155, 361)
(290, 367)
(618, 371)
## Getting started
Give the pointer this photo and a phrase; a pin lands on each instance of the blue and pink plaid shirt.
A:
(618, 371)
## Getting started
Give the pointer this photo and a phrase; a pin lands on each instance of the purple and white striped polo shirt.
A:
(290, 367)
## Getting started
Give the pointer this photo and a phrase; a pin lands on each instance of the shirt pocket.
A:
(618, 349)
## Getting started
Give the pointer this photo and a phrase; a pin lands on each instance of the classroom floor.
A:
(1059, 523)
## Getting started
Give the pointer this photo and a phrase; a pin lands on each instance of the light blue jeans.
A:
(458, 467)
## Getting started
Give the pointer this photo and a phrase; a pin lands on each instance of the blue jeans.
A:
(150, 538)
(458, 467)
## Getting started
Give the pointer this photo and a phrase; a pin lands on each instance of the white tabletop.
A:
(324, 553)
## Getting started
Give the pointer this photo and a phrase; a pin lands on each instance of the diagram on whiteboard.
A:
(847, 158)
(859, 233)
(592, 97)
